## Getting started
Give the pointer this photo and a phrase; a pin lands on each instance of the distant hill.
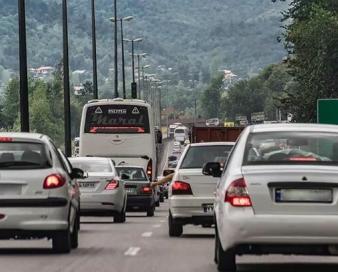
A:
(191, 36)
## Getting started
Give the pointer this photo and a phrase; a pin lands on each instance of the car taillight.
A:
(54, 181)
(237, 194)
(181, 188)
(150, 169)
(112, 185)
(6, 139)
(146, 190)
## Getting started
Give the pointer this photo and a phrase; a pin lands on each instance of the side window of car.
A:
(61, 160)
(227, 163)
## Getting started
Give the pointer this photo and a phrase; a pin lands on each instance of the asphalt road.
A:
(142, 244)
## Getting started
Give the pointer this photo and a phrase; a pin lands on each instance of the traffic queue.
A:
(265, 189)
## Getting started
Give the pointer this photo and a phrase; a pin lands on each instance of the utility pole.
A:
(116, 91)
(95, 88)
(123, 65)
(24, 110)
(66, 95)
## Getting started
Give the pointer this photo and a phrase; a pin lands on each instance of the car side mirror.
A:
(212, 169)
(167, 172)
(78, 173)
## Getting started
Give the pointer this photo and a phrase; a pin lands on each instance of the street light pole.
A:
(66, 95)
(115, 21)
(132, 59)
(115, 52)
(24, 110)
(95, 89)
(138, 76)
(123, 66)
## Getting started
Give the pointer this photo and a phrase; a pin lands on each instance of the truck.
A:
(215, 134)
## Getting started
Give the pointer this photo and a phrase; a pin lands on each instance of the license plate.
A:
(208, 208)
(304, 195)
(131, 191)
(89, 185)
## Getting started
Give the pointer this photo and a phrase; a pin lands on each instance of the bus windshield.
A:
(117, 119)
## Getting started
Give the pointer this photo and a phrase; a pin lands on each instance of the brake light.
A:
(54, 181)
(237, 194)
(150, 169)
(6, 139)
(146, 190)
(112, 185)
(181, 188)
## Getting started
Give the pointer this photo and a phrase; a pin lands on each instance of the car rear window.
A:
(197, 156)
(131, 173)
(179, 131)
(92, 165)
(291, 148)
(23, 155)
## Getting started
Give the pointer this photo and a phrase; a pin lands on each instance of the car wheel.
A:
(151, 211)
(74, 238)
(175, 229)
(62, 241)
(161, 198)
(120, 217)
(226, 260)
(157, 203)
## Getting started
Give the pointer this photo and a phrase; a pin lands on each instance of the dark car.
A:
(141, 197)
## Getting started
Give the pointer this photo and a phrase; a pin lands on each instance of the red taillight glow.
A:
(181, 188)
(6, 139)
(150, 169)
(112, 185)
(54, 181)
(146, 190)
(237, 194)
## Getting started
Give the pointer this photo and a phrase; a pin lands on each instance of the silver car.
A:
(102, 192)
(191, 194)
(278, 193)
(39, 193)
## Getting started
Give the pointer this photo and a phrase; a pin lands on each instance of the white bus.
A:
(121, 129)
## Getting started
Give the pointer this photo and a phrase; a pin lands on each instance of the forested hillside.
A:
(197, 38)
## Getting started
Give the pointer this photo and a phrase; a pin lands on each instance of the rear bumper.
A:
(191, 208)
(139, 202)
(45, 202)
(101, 202)
(242, 228)
(36, 218)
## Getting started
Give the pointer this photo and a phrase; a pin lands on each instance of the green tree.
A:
(211, 97)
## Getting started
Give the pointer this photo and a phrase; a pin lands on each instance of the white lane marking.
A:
(147, 234)
(157, 226)
(162, 221)
(132, 251)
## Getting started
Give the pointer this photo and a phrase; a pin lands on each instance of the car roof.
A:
(22, 135)
(212, 143)
(293, 127)
(89, 159)
(128, 166)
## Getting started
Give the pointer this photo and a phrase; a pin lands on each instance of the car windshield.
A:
(131, 173)
(92, 165)
(292, 148)
(197, 156)
(15, 155)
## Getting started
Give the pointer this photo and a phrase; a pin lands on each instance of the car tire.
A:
(175, 229)
(226, 260)
(157, 203)
(151, 211)
(62, 241)
(120, 217)
(162, 198)
(74, 238)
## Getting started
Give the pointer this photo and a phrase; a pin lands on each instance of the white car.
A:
(278, 198)
(102, 192)
(191, 194)
(39, 193)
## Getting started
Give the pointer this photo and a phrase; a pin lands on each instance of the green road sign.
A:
(327, 111)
